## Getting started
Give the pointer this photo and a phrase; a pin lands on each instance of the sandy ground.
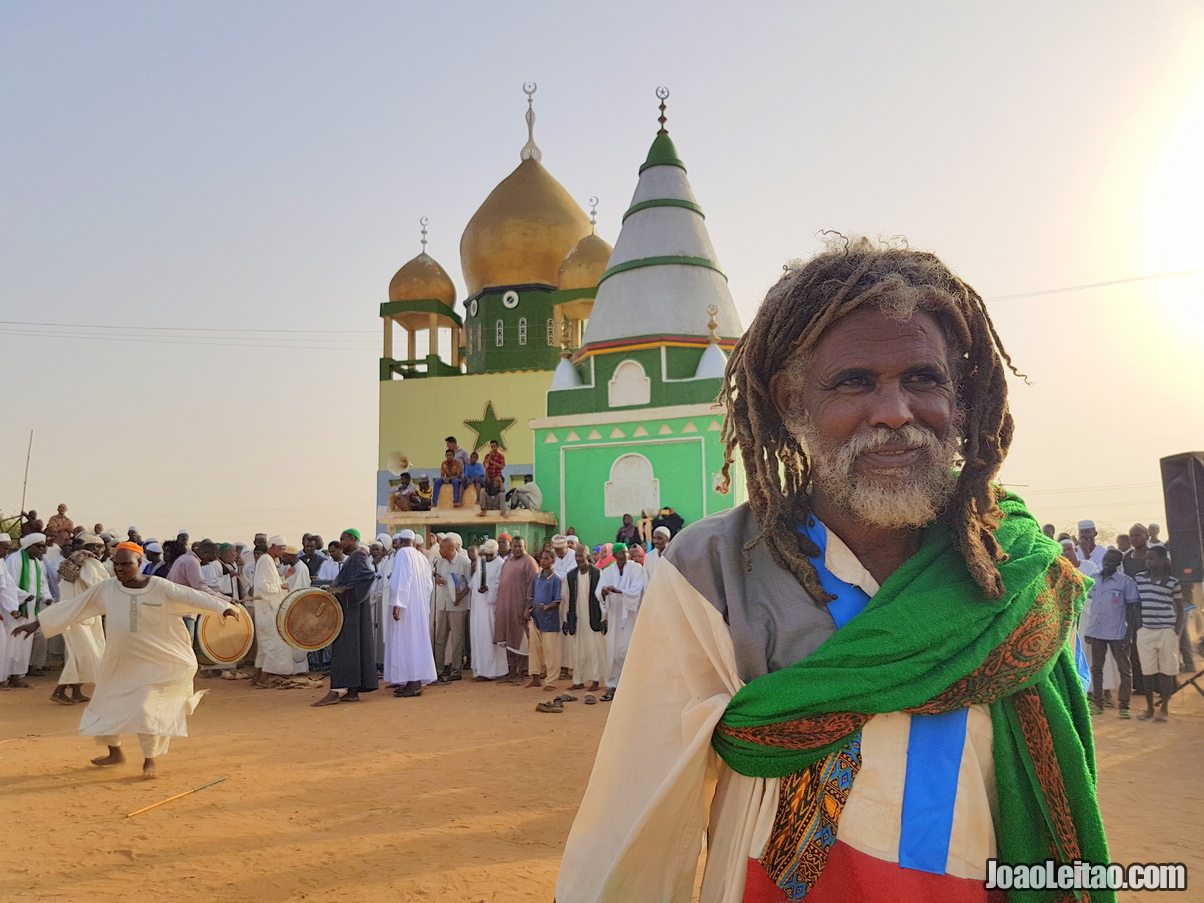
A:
(465, 794)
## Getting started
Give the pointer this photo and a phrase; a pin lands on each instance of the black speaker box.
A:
(1183, 492)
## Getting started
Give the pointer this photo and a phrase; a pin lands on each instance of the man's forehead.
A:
(874, 337)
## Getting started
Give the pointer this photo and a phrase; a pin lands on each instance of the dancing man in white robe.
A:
(145, 682)
(488, 658)
(620, 591)
(273, 656)
(8, 607)
(85, 641)
(409, 658)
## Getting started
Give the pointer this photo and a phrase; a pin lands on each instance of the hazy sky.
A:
(255, 172)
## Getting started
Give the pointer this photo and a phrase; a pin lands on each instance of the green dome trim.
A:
(668, 259)
(663, 153)
(663, 202)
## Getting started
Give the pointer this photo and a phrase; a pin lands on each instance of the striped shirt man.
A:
(1158, 598)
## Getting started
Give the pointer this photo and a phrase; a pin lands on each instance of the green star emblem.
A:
(489, 427)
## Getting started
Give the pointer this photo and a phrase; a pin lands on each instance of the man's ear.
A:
(782, 393)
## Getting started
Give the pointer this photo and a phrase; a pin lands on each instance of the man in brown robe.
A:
(513, 601)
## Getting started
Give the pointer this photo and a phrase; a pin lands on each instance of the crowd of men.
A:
(1135, 620)
(417, 610)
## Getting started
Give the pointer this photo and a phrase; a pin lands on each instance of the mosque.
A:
(595, 368)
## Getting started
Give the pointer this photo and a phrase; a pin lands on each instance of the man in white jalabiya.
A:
(28, 574)
(620, 590)
(145, 682)
(409, 658)
(585, 622)
(488, 659)
(273, 656)
(564, 562)
(660, 541)
(8, 607)
(85, 641)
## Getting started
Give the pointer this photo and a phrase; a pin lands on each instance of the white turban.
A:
(277, 541)
(405, 534)
(385, 538)
(559, 542)
(32, 539)
(1086, 525)
(663, 531)
(455, 538)
(153, 547)
(489, 547)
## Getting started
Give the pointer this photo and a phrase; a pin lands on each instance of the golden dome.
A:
(522, 232)
(420, 279)
(585, 264)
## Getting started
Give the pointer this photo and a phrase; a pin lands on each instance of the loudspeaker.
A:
(1183, 493)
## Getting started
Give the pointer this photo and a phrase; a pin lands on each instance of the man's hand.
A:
(396, 612)
(231, 613)
(27, 629)
(483, 590)
(439, 581)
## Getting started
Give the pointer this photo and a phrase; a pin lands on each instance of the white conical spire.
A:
(663, 275)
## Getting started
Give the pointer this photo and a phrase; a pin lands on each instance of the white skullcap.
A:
(405, 534)
(107, 535)
(1067, 544)
(455, 538)
(489, 547)
(32, 539)
(183, 533)
(290, 550)
(131, 529)
(663, 531)
(1086, 525)
(417, 537)
(375, 544)
(384, 538)
(277, 541)
(559, 542)
(152, 546)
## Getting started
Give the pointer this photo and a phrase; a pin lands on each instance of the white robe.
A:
(620, 610)
(408, 652)
(85, 641)
(19, 648)
(273, 655)
(593, 661)
(488, 658)
(8, 605)
(145, 680)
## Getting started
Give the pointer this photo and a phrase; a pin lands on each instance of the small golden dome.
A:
(585, 264)
(522, 232)
(420, 279)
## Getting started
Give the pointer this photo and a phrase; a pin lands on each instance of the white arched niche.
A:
(629, 386)
(632, 486)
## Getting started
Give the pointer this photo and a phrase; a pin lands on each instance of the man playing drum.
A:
(353, 653)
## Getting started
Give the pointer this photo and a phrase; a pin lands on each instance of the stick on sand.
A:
(176, 797)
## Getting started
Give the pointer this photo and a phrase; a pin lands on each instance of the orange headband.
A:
(132, 546)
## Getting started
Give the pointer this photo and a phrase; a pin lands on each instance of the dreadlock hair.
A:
(853, 274)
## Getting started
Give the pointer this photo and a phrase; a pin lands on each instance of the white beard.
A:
(888, 498)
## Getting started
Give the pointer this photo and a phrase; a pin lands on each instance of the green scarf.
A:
(929, 642)
(27, 565)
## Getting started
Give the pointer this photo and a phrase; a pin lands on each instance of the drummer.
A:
(273, 657)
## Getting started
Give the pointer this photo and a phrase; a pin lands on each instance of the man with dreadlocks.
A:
(858, 685)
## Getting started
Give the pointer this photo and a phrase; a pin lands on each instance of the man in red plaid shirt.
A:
(494, 462)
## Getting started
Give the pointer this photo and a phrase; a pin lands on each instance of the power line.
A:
(1090, 285)
(189, 329)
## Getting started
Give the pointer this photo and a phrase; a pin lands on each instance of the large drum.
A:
(224, 641)
(309, 618)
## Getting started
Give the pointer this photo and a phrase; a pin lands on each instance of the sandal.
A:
(591, 700)
(553, 708)
(565, 697)
(608, 695)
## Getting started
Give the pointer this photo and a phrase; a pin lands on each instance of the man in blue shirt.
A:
(1110, 607)
(474, 472)
(543, 631)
